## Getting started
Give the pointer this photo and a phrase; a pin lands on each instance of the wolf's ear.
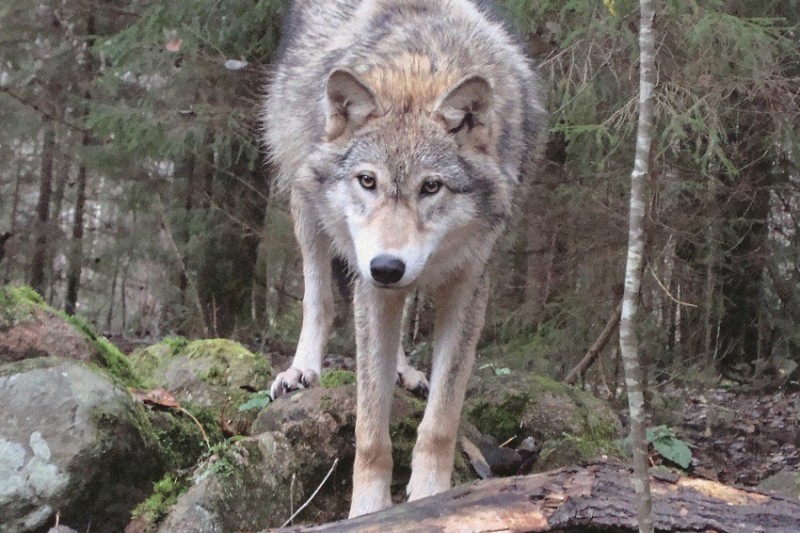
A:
(350, 103)
(466, 112)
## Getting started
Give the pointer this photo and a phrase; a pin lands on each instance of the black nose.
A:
(387, 269)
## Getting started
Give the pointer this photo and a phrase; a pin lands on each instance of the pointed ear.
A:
(350, 103)
(466, 112)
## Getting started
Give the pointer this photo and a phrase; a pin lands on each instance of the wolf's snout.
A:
(387, 269)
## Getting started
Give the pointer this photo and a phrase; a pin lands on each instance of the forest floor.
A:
(737, 438)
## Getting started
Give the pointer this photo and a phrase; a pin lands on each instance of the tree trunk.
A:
(13, 221)
(38, 263)
(123, 299)
(110, 315)
(173, 247)
(628, 341)
(76, 247)
(57, 201)
(598, 497)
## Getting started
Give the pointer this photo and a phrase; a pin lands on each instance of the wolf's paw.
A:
(413, 380)
(293, 379)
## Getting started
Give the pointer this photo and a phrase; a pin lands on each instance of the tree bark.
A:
(76, 249)
(628, 341)
(598, 497)
(38, 266)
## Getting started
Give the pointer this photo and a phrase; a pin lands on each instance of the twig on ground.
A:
(314, 495)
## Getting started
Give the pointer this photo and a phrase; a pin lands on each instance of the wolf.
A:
(401, 130)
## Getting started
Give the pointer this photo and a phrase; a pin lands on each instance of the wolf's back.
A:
(410, 52)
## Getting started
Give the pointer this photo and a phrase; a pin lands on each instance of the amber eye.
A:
(367, 181)
(430, 187)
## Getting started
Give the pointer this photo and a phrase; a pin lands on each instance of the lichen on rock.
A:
(72, 441)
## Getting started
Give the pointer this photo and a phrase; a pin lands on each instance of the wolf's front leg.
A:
(409, 377)
(317, 301)
(459, 319)
(378, 313)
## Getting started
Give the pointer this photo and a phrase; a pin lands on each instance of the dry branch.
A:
(598, 496)
(597, 347)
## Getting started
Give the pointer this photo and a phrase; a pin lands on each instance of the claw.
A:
(413, 381)
(293, 379)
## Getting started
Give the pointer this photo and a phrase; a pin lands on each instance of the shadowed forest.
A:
(134, 190)
(135, 193)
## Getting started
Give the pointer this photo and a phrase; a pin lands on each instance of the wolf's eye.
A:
(367, 181)
(430, 187)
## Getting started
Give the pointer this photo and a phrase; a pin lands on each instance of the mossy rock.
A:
(337, 378)
(215, 373)
(29, 328)
(570, 424)
(72, 441)
(244, 486)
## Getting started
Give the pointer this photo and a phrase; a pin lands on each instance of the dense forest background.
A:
(134, 189)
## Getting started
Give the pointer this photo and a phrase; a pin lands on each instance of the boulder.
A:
(30, 328)
(257, 482)
(206, 373)
(568, 425)
(71, 442)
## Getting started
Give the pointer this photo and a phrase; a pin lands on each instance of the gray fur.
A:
(401, 130)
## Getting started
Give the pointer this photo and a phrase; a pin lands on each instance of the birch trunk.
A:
(628, 340)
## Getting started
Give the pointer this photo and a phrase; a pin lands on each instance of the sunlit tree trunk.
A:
(628, 340)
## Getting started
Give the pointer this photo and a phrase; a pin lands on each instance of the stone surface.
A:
(72, 442)
(208, 373)
(786, 483)
(257, 482)
(29, 328)
(570, 425)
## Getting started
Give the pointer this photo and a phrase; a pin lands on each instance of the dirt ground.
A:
(737, 438)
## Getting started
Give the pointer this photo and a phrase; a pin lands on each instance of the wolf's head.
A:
(413, 180)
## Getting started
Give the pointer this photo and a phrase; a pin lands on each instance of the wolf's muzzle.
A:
(387, 269)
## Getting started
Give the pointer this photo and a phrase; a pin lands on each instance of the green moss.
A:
(176, 344)
(113, 360)
(337, 378)
(502, 419)
(165, 495)
(571, 424)
(220, 349)
(214, 375)
(222, 363)
(27, 365)
(326, 403)
(180, 438)
(16, 302)
(12, 295)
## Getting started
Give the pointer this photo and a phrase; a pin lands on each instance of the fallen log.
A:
(597, 497)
